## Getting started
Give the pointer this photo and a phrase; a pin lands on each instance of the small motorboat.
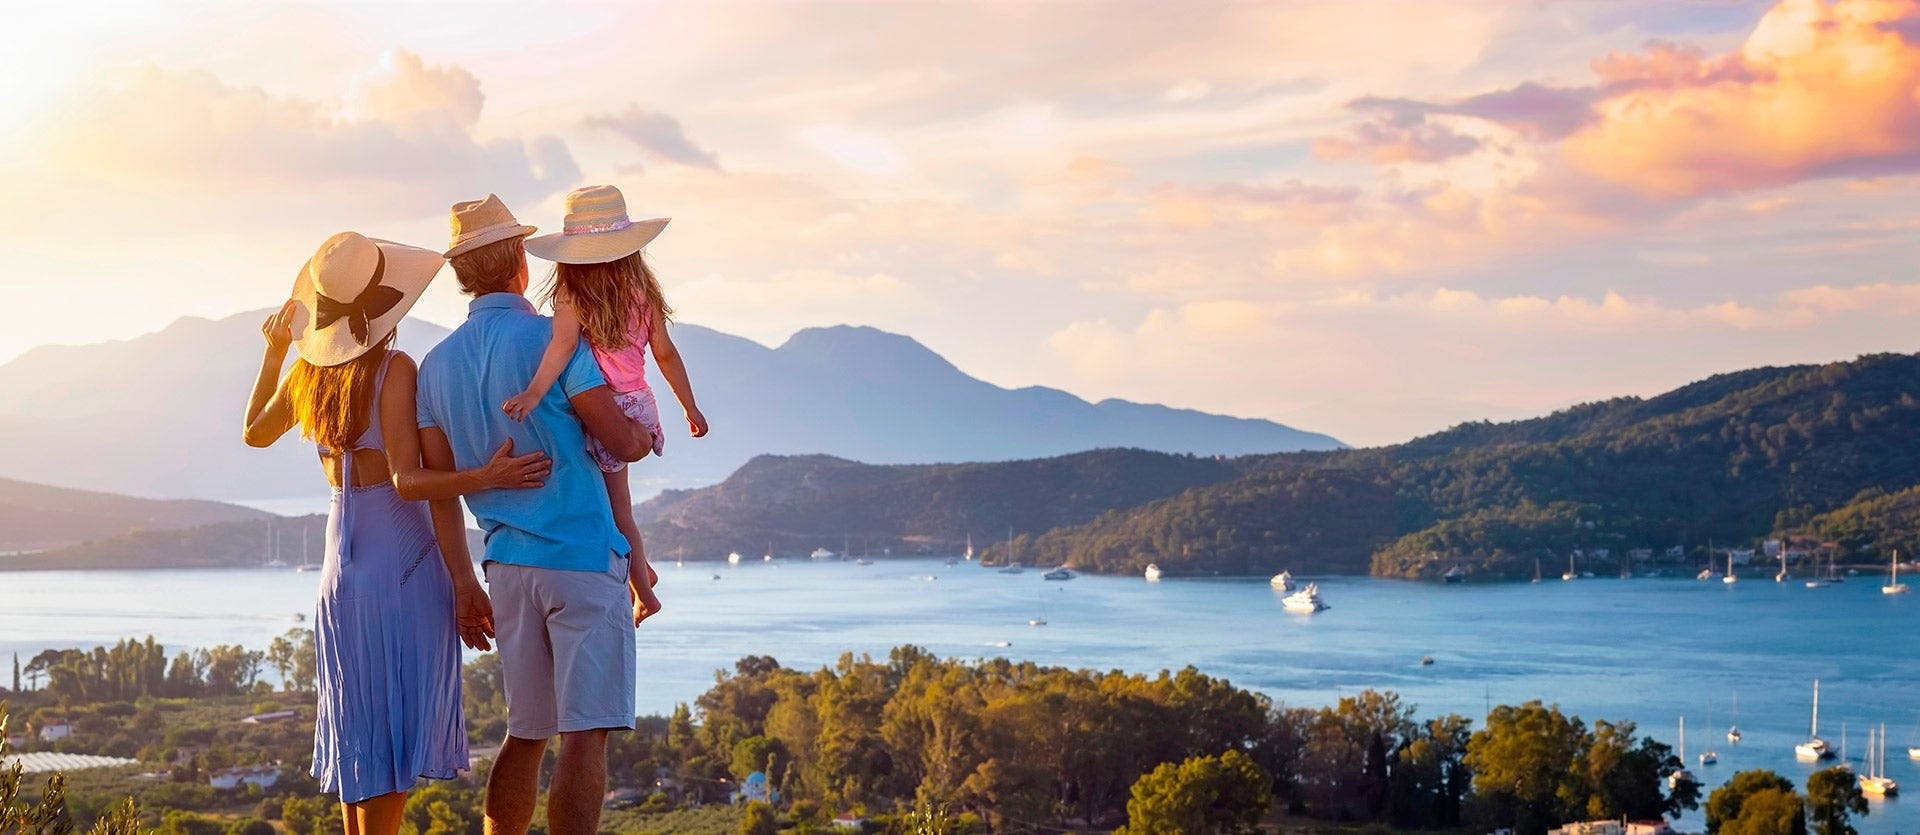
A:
(1060, 573)
(733, 558)
(1153, 573)
(1455, 574)
(1036, 621)
(1282, 581)
(1426, 660)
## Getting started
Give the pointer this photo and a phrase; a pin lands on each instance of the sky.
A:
(1371, 219)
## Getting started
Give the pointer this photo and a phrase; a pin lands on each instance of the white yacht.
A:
(733, 558)
(1733, 730)
(1894, 586)
(1282, 581)
(1814, 748)
(1876, 782)
(1305, 601)
(822, 554)
(1153, 573)
(1455, 574)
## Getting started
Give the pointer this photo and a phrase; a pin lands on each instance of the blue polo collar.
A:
(499, 301)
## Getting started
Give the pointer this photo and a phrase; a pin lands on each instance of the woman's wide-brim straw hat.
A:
(596, 230)
(352, 294)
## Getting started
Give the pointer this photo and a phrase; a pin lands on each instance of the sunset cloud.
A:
(658, 135)
(408, 134)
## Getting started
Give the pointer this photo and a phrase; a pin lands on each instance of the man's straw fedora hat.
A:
(353, 292)
(596, 229)
(477, 223)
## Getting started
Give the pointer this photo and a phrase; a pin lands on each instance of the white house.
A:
(1591, 828)
(263, 776)
(55, 731)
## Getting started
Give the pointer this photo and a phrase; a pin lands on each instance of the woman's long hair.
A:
(334, 403)
(607, 296)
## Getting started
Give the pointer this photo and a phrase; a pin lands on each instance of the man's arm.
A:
(472, 611)
(602, 418)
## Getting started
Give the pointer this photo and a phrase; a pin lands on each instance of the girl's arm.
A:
(268, 414)
(414, 482)
(560, 348)
(675, 370)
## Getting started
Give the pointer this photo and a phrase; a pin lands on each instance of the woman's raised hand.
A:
(513, 472)
(278, 329)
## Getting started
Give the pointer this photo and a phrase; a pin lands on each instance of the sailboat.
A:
(969, 553)
(768, 556)
(1571, 574)
(1731, 578)
(1876, 781)
(1013, 565)
(1913, 752)
(306, 562)
(1894, 586)
(1733, 730)
(1814, 748)
(1709, 756)
(1536, 569)
(1782, 576)
(273, 547)
(1681, 774)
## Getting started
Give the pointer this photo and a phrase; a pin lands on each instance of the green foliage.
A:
(1769, 811)
(1227, 793)
(759, 820)
(443, 807)
(1535, 768)
(316, 815)
(1833, 798)
(251, 826)
(758, 753)
(1723, 806)
(49, 814)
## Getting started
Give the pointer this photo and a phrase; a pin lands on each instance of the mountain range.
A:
(159, 414)
(1823, 451)
(1810, 452)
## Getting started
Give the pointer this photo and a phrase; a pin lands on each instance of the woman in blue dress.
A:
(393, 610)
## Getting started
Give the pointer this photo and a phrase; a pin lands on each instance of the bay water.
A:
(1648, 650)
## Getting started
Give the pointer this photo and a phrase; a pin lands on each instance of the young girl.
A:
(603, 290)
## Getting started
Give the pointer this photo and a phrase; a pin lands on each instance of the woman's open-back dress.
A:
(388, 652)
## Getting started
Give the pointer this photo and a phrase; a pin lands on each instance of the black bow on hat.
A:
(372, 303)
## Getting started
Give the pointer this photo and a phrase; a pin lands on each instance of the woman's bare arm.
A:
(674, 369)
(269, 416)
(414, 482)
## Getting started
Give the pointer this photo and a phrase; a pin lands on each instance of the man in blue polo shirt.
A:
(563, 596)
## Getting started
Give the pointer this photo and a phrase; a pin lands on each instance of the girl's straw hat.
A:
(353, 292)
(596, 229)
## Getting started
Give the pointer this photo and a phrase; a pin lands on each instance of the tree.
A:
(758, 753)
(50, 813)
(1522, 762)
(250, 826)
(311, 816)
(1769, 811)
(1228, 793)
(1833, 798)
(1723, 806)
(759, 820)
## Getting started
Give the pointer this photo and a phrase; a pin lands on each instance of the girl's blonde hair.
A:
(334, 403)
(606, 297)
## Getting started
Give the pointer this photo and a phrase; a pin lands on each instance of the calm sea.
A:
(1648, 650)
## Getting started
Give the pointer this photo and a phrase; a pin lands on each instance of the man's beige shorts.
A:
(566, 647)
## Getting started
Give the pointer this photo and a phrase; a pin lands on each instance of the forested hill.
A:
(1731, 458)
(795, 504)
(36, 516)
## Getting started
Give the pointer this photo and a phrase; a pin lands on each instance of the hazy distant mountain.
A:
(35, 516)
(160, 414)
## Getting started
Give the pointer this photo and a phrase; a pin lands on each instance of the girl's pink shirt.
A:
(626, 369)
